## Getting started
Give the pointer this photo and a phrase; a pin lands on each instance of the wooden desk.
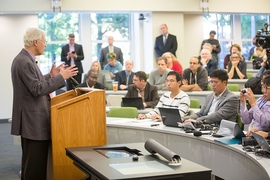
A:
(226, 161)
(99, 167)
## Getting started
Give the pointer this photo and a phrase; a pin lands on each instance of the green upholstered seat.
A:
(124, 112)
(233, 87)
(194, 103)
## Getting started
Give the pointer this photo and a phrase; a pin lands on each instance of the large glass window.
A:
(114, 24)
(57, 27)
(222, 24)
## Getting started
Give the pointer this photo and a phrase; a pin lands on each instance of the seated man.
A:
(91, 81)
(141, 88)
(125, 77)
(221, 104)
(158, 76)
(195, 77)
(174, 99)
(207, 62)
(258, 116)
(113, 66)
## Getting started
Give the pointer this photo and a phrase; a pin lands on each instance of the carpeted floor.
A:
(10, 154)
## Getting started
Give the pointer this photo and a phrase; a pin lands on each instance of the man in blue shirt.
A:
(113, 66)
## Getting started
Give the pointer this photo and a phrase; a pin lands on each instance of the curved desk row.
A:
(201, 95)
(226, 161)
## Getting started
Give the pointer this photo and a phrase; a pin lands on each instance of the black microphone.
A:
(199, 133)
(73, 81)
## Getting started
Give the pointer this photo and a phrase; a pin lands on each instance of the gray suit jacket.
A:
(227, 108)
(105, 51)
(31, 100)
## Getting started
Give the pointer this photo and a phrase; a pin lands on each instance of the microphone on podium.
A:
(73, 81)
(199, 133)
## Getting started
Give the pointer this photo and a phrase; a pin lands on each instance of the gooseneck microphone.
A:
(199, 133)
(73, 81)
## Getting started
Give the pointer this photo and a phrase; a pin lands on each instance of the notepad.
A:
(228, 141)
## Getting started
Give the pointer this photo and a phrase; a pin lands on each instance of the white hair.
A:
(32, 34)
(209, 46)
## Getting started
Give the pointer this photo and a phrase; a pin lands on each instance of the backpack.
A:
(254, 83)
(257, 63)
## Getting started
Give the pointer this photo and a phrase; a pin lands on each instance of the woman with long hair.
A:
(172, 62)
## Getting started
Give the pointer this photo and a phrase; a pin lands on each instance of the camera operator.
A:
(258, 116)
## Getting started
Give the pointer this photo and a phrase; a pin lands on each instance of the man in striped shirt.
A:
(176, 98)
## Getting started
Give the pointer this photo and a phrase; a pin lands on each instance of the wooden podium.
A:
(78, 118)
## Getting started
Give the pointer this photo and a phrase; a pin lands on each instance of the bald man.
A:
(110, 48)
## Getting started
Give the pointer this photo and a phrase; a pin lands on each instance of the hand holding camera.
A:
(247, 93)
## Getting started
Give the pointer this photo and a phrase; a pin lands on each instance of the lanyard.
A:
(195, 78)
(261, 104)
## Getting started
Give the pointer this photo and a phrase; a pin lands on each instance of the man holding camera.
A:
(258, 116)
(72, 54)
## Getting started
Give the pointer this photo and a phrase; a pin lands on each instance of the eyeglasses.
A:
(235, 57)
(170, 81)
(93, 78)
(265, 88)
(193, 63)
(45, 42)
(213, 82)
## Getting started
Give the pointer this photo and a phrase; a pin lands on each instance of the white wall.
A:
(12, 30)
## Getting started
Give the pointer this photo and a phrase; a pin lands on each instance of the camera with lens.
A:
(263, 40)
(244, 90)
(249, 141)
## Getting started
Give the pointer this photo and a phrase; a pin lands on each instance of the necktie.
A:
(111, 49)
(127, 80)
(165, 39)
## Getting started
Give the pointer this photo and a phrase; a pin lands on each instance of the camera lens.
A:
(244, 91)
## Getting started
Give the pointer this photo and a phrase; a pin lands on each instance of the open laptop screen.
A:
(133, 102)
(170, 116)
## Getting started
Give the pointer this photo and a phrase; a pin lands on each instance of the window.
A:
(113, 24)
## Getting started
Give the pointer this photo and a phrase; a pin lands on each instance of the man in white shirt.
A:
(176, 98)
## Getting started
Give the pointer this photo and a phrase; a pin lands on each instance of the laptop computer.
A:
(133, 102)
(229, 128)
(107, 74)
(170, 117)
(261, 141)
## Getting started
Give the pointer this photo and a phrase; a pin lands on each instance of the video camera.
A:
(263, 40)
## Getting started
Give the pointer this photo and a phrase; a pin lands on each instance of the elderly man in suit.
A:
(125, 77)
(110, 49)
(141, 88)
(91, 80)
(221, 104)
(165, 42)
(72, 54)
(31, 103)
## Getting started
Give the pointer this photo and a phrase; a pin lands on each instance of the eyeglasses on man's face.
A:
(213, 82)
(193, 63)
(265, 87)
(44, 41)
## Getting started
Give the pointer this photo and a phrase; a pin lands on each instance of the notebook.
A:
(261, 141)
(170, 117)
(133, 102)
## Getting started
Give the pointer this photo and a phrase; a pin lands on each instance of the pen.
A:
(154, 125)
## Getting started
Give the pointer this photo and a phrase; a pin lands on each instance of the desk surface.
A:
(226, 161)
(147, 167)
(201, 95)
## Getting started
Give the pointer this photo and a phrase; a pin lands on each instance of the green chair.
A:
(194, 103)
(239, 121)
(147, 76)
(249, 75)
(124, 112)
(233, 87)
(210, 88)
